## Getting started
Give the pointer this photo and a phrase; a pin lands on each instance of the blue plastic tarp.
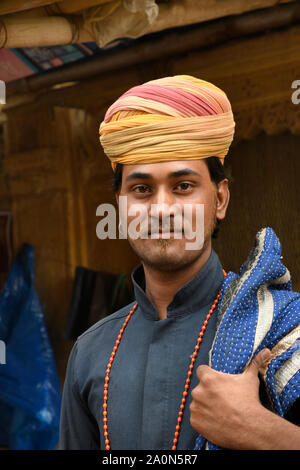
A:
(30, 395)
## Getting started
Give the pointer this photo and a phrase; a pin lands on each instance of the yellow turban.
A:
(172, 118)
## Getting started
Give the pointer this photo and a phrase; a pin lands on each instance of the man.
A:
(179, 367)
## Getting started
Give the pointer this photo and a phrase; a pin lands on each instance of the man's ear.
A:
(223, 196)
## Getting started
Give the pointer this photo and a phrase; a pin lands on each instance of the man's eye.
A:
(140, 189)
(185, 186)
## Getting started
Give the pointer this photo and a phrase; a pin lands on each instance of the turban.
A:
(171, 118)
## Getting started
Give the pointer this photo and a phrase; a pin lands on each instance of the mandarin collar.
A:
(198, 292)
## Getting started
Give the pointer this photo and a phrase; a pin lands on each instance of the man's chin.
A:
(165, 255)
(167, 264)
(158, 248)
(166, 246)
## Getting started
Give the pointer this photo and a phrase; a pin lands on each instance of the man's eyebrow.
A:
(183, 172)
(138, 175)
(173, 174)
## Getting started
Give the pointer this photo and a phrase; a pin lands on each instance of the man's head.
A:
(175, 183)
(167, 140)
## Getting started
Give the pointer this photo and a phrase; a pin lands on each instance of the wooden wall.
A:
(264, 193)
(58, 175)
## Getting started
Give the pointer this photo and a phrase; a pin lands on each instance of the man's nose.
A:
(162, 196)
(162, 203)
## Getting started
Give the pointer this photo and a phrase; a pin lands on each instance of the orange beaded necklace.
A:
(187, 383)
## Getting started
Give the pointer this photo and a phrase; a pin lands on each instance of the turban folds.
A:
(171, 118)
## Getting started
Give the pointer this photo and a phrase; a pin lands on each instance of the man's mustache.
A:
(160, 226)
(170, 227)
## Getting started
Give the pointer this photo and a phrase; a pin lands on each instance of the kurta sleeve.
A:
(78, 428)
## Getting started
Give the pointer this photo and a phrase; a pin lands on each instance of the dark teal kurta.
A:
(149, 371)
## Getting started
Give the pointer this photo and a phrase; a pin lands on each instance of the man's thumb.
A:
(259, 361)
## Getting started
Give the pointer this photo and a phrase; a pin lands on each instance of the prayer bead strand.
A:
(191, 367)
(105, 427)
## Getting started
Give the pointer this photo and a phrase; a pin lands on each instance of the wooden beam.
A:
(73, 6)
(42, 31)
(53, 9)
(13, 6)
(185, 12)
(164, 45)
(19, 31)
(57, 6)
(258, 84)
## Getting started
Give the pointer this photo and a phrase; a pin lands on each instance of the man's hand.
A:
(226, 410)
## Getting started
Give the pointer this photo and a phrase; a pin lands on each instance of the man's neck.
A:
(161, 286)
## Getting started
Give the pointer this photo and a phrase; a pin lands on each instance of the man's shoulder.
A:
(109, 321)
(95, 344)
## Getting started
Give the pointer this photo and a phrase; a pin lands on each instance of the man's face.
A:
(180, 183)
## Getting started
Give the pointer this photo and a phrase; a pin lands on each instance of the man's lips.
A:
(160, 233)
(165, 231)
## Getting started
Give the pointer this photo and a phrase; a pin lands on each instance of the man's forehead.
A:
(169, 169)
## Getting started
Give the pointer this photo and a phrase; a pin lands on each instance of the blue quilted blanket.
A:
(258, 309)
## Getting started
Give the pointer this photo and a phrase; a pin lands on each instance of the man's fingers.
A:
(259, 361)
(206, 373)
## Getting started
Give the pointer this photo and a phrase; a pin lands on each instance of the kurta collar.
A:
(196, 293)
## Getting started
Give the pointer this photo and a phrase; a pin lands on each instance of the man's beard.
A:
(164, 262)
